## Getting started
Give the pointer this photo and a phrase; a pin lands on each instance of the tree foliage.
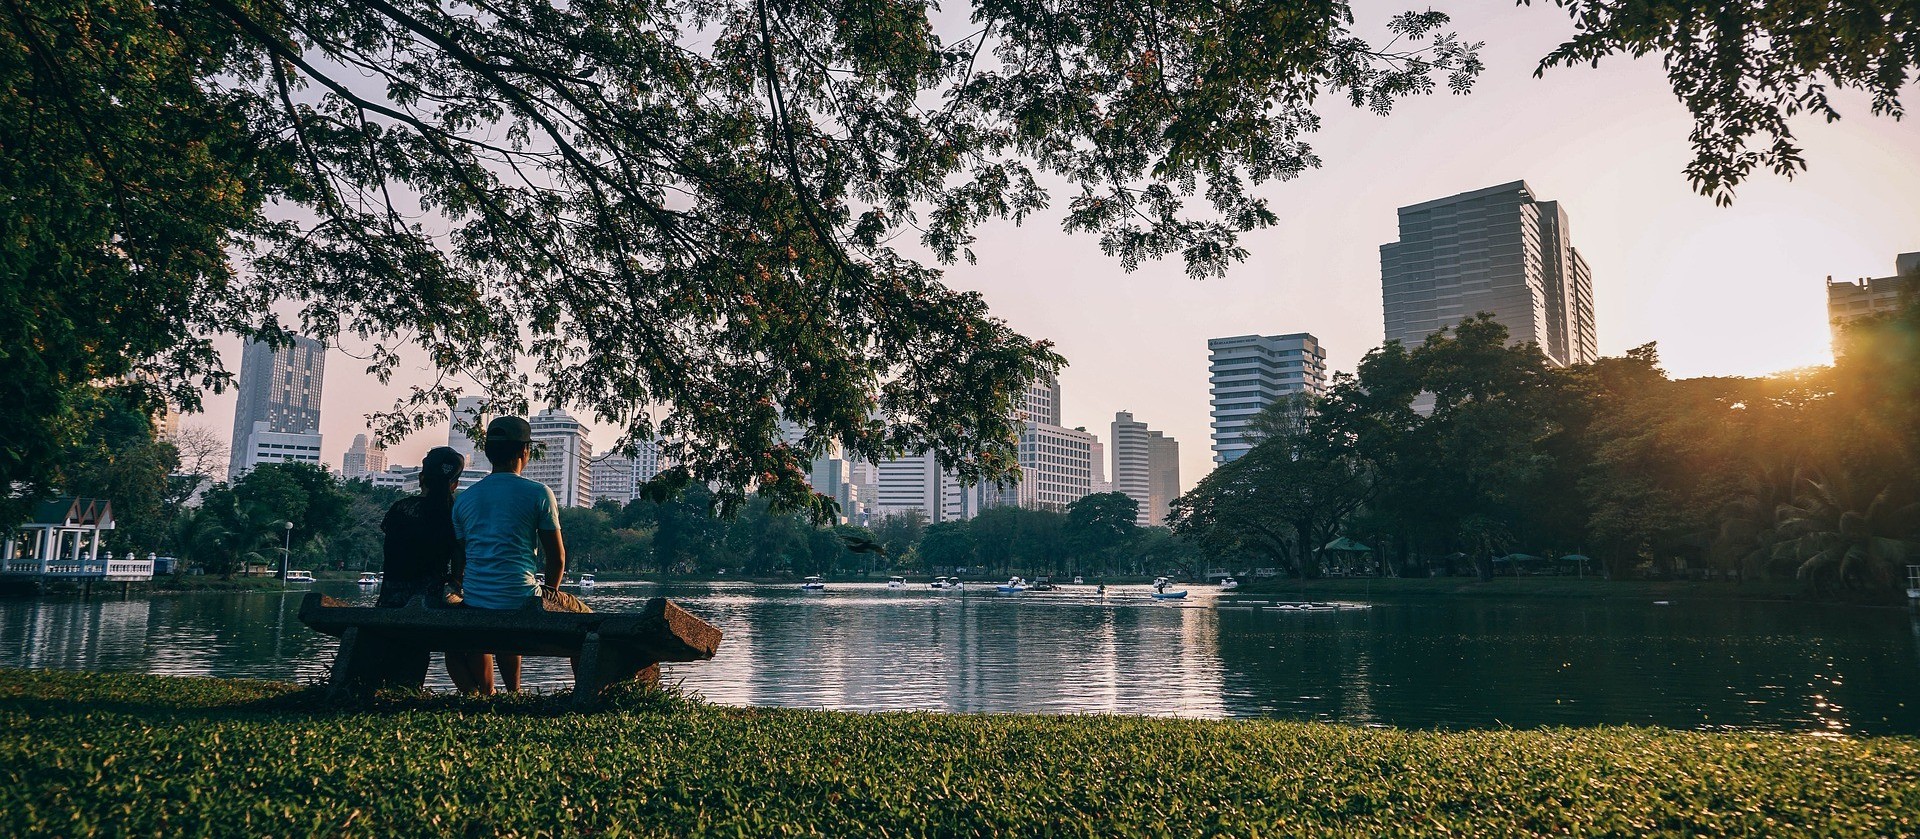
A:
(695, 205)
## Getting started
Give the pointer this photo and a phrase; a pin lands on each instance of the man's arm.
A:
(555, 551)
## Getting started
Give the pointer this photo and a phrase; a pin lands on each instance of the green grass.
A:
(138, 755)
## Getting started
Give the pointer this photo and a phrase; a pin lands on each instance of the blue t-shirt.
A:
(500, 519)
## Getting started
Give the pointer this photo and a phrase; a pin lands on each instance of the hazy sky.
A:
(1724, 290)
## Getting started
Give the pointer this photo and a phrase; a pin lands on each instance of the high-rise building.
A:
(1100, 482)
(1042, 402)
(1132, 460)
(1848, 302)
(918, 483)
(279, 396)
(466, 424)
(1250, 372)
(1056, 465)
(365, 457)
(563, 457)
(1163, 476)
(1497, 250)
(618, 478)
(1146, 468)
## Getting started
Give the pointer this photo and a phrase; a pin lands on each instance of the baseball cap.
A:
(443, 462)
(509, 429)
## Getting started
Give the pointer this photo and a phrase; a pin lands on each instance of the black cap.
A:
(443, 463)
(510, 430)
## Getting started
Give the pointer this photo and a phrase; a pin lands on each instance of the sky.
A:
(1724, 290)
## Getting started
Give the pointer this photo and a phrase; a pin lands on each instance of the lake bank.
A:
(1590, 588)
(104, 753)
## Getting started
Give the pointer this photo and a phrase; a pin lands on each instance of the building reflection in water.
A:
(1443, 664)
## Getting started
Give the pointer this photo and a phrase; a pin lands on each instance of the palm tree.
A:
(1748, 537)
(1838, 534)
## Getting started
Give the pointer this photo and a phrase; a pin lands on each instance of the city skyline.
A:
(1735, 290)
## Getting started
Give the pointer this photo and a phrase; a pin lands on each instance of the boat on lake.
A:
(586, 581)
(896, 582)
(813, 584)
(1160, 592)
(1013, 585)
(368, 578)
(1042, 584)
(1079, 581)
(1229, 584)
(942, 583)
(299, 576)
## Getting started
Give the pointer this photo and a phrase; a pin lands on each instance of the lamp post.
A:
(286, 551)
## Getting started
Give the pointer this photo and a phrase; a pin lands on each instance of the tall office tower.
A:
(1042, 402)
(833, 478)
(1132, 463)
(1100, 482)
(466, 425)
(918, 483)
(1056, 465)
(1163, 476)
(1496, 250)
(277, 416)
(1848, 302)
(563, 457)
(365, 457)
(1250, 372)
(618, 478)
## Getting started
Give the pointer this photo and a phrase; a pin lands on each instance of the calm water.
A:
(1457, 664)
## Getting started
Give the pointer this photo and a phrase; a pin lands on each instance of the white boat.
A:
(586, 581)
(1229, 584)
(1079, 580)
(299, 576)
(896, 582)
(368, 578)
(1012, 586)
(941, 583)
(813, 584)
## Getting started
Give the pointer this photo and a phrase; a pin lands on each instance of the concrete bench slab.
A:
(384, 647)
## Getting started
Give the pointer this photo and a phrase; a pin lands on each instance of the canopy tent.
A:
(1345, 545)
(1518, 558)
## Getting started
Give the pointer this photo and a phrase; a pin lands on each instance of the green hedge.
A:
(135, 755)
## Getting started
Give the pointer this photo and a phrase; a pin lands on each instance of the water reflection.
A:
(1461, 664)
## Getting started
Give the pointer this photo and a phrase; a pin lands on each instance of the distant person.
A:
(509, 530)
(419, 551)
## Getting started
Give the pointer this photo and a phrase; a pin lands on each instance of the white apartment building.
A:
(618, 478)
(1250, 372)
(563, 457)
(262, 445)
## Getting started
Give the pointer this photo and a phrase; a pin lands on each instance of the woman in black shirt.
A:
(421, 553)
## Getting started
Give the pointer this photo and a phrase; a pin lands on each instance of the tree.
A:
(1845, 535)
(947, 545)
(1100, 523)
(690, 205)
(118, 459)
(1744, 70)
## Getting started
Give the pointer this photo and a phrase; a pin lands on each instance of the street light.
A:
(286, 551)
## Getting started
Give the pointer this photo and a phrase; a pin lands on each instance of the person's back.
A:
(419, 550)
(500, 520)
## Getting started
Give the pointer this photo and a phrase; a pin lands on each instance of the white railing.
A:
(110, 569)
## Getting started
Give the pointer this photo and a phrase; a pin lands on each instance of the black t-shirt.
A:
(419, 543)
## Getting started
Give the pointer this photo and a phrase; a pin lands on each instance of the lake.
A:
(1468, 663)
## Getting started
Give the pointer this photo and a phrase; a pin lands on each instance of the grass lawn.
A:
(138, 755)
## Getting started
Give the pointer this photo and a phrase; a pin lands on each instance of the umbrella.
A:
(1517, 558)
(1345, 545)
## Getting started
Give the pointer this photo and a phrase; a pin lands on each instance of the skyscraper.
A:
(918, 483)
(277, 415)
(463, 422)
(1250, 372)
(364, 458)
(1497, 250)
(618, 478)
(563, 457)
(1146, 468)
(1163, 476)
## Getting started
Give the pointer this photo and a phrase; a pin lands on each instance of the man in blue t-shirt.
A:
(509, 529)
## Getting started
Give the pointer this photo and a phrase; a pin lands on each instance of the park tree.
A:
(947, 545)
(1100, 524)
(119, 459)
(687, 205)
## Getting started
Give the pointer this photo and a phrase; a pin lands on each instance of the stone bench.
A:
(385, 647)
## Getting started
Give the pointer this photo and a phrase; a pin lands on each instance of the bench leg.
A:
(367, 664)
(601, 666)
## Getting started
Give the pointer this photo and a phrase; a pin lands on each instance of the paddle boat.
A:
(1079, 580)
(1014, 585)
(1229, 584)
(299, 576)
(941, 583)
(367, 578)
(896, 582)
(813, 584)
(1042, 584)
(1160, 586)
(586, 581)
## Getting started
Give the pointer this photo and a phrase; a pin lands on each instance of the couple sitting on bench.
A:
(488, 542)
